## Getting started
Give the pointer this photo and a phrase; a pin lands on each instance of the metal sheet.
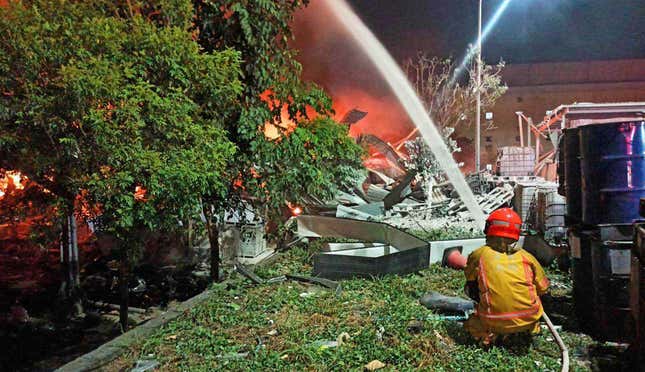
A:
(400, 191)
(319, 227)
(401, 253)
(379, 251)
(332, 247)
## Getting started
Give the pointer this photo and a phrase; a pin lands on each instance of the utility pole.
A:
(479, 80)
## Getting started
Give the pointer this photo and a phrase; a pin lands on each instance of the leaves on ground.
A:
(241, 318)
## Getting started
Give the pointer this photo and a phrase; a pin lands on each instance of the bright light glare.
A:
(472, 51)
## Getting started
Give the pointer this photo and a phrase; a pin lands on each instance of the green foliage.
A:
(308, 161)
(105, 97)
(375, 313)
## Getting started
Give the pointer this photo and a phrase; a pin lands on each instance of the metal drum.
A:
(612, 163)
(610, 265)
(572, 179)
(580, 251)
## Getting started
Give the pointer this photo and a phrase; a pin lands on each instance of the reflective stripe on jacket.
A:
(509, 288)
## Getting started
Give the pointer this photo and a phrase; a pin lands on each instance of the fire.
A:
(12, 180)
(296, 211)
(274, 129)
(140, 193)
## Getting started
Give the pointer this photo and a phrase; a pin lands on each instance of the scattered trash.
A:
(277, 279)
(272, 332)
(145, 365)
(232, 356)
(327, 344)
(379, 333)
(321, 345)
(343, 338)
(415, 326)
(439, 337)
(171, 337)
(140, 287)
(374, 365)
(320, 281)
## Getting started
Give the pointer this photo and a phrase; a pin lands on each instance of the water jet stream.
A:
(400, 86)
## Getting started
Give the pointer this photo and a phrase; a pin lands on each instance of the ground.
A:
(284, 326)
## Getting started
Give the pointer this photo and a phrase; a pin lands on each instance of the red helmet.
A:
(504, 223)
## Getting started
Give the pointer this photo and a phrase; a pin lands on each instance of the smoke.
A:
(331, 59)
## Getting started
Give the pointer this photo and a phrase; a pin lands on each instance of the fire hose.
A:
(558, 340)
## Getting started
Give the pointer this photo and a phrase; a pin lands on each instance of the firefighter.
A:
(505, 281)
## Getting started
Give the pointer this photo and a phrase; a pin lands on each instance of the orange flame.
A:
(296, 211)
(12, 180)
(140, 193)
(274, 129)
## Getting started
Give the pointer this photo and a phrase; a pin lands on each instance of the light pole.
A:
(478, 87)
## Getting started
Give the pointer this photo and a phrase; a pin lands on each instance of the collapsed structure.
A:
(598, 152)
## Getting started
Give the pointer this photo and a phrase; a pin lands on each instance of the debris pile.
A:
(403, 202)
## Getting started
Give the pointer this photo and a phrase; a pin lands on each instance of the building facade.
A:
(535, 88)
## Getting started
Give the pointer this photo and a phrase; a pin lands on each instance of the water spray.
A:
(473, 50)
(401, 87)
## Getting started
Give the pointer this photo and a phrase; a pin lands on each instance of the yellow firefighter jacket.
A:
(509, 286)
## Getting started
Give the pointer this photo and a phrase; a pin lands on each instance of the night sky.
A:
(529, 30)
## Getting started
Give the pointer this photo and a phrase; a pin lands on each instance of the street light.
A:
(464, 63)
(479, 96)
(480, 36)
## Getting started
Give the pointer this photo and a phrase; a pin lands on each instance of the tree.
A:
(305, 157)
(116, 102)
(451, 104)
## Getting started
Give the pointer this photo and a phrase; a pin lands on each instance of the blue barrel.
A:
(612, 163)
(572, 178)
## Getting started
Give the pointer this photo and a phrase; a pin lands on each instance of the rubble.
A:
(413, 201)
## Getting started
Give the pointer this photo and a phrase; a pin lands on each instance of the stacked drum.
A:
(604, 176)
